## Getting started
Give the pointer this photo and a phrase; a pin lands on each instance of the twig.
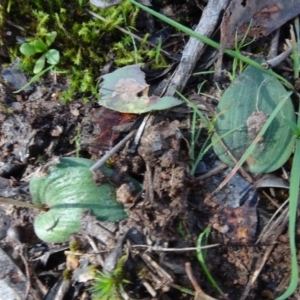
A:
(275, 61)
(199, 292)
(9, 201)
(139, 133)
(157, 248)
(27, 271)
(111, 152)
(269, 228)
(195, 47)
(212, 172)
(274, 45)
(95, 249)
(149, 190)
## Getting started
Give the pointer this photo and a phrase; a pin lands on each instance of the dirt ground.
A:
(250, 255)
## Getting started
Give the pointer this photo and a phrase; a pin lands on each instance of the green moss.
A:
(107, 286)
(5, 109)
(67, 275)
(82, 40)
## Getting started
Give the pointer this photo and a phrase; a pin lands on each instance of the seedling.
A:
(38, 46)
(295, 174)
(238, 47)
(51, 56)
(109, 286)
(195, 134)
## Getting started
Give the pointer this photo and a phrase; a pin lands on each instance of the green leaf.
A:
(50, 37)
(248, 104)
(27, 49)
(39, 46)
(53, 57)
(40, 64)
(126, 91)
(69, 190)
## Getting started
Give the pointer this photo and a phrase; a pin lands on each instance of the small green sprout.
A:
(52, 56)
(108, 286)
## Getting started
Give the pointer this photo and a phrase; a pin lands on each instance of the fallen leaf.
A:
(263, 17)
(104, 120)
(126, 91)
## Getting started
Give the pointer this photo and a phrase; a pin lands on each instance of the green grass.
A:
(295, 172)
(201, 258)
(293, 207)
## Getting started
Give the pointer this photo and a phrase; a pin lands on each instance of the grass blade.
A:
(293, 205)
(201, 259)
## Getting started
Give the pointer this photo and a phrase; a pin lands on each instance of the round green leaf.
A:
(39, 46)
(69, 190)
(53, 57)
(27, 49)
(246, 106)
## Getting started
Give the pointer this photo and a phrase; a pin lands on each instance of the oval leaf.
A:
(39, 65)
(68, 189)
(247, 105)
(39, 46)
(27, 49)
(53, 57)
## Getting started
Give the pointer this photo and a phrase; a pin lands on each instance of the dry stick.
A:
(27, 271)
(195, 47)
(213, 172)
(284, 217)
(130, 33)
(150, 189)
(232, 173)
(111, 152)
(268, 229)
(95, 249)
(10, 201)
(273, 51)
(139, 133)
(199, 292)
(158, 249)
(275, 61)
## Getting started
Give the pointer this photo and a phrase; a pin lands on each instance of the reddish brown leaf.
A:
(104, 120)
